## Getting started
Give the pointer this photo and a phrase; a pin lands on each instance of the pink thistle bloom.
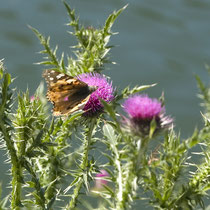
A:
(104, 91)
(33, 98)
(142, 110)
(142, 107)
(99, 181)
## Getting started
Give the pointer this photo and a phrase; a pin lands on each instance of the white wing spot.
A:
(51, 78)
(70, 81)
(59, 76)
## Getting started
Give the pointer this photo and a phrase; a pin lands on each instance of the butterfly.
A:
(67, 94)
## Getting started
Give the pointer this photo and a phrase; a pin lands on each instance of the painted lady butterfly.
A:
(66, 93)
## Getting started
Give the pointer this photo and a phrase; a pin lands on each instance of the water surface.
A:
(159, 41)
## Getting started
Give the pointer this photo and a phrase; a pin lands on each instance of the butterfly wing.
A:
(67, 93)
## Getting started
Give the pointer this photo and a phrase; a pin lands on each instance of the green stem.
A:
(16, 185)
(120, 201)
(141, 149)
(127, 177)
(124, 185)
(83, 165)
(16, 170)
(40, 199)
(75, 195)
(120, 184)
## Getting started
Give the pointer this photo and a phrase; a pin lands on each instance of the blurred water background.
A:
(159, 41)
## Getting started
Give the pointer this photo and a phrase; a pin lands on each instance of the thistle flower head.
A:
(99, 181)
(104, 91)
(142, 110)
(142, 107)
(33, 98)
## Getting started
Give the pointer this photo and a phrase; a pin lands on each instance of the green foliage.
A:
(54, 161)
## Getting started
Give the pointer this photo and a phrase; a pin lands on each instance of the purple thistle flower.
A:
(99, 181)
(104, 91)
(142, 110)
(142, 107)
(33, 98)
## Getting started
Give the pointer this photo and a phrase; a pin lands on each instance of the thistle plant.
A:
(120, 148)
